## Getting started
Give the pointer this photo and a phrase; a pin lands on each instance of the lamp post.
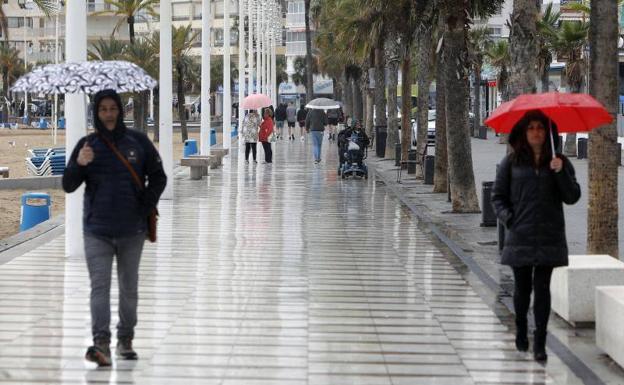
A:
(22, 5)
(241, 61)
(258, 34)
(250, 53)
(56, 61)
(205, 80)
(75, 112)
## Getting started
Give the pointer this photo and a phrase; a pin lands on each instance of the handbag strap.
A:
(123, 160)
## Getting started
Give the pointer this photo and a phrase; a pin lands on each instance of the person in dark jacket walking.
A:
(115, 217)
(280, 118)
(530, 189)
(301, 118)
(316, 120)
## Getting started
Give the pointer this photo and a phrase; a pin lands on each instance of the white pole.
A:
(25, 70)
(227, 89)
(56, 61)
(267, 48)
(274, 67)
(166, 95)
(258, 33)
(250, 53)
(75, 111)
(151, 105)
(205, 80)
(241, 61)
(263, 47)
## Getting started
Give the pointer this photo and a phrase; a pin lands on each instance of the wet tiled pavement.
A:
(269, 274)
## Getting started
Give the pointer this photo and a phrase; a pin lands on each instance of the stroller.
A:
(352, 150)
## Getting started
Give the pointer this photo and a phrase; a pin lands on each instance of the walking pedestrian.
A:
(251, 125)
(280, 118)
(291, 116)
(316, 120)
(266, 129)
(530, 187)
(301, 118)
(111, 162)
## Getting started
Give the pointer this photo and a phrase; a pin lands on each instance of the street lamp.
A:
(22, 5)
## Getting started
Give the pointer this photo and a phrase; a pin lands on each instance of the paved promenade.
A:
(276, 274)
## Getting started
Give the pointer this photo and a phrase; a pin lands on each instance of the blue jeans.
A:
(100, 252)
(317, 143)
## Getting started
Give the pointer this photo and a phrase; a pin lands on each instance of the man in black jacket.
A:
(115, 217)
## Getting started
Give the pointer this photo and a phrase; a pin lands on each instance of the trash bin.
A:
(61, 123)
(483, 132)
(429, 168)
(43, 124)
(213, 137)
(488, 217)
(412, 156)
(581, 148)
(190, 147)
(619, 154)
(397, 154)
(35, 209)
(381, 134)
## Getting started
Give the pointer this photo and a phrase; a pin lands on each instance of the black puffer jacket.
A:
(113, 205)
(529, 203)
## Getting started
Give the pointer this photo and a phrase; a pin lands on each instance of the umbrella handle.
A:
(552, 139)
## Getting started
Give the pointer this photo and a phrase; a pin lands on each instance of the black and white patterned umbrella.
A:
(85, 77)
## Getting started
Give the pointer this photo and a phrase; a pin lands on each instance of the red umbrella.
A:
(571, 112)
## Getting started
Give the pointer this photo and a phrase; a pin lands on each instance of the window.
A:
(495, 30)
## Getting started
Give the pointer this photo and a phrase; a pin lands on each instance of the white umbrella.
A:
(323, 104)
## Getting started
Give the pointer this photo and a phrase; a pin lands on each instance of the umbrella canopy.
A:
(85, 77)
(323, 104)
(571, 112)
(256, 101)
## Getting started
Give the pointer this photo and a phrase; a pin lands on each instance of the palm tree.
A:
(571, 38)
(479, 43)
(602, 218)
(130, 11)
(523, 47)
(547, 35)
(301, 70)
(10, 65)
(183, 39)
(309, 61)
(110, 49)
(440, 176)
(499, 57)
(142, 53)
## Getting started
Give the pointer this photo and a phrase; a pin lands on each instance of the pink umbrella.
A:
(256, 101)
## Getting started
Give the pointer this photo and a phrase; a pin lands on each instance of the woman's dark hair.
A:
(522, 151)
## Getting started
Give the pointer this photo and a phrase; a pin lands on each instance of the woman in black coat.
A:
(528, 194)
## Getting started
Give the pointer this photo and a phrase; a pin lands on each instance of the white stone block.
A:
(609, 321)
(572, 287)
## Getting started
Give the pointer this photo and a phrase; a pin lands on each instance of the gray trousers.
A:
(100, 252)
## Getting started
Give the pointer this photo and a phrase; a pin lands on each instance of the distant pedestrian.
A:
(251, 126)
(266, 129)
(528, 194)
(112, 162)
(291, 115)
(280, 119)
(301, 118)
(316, 120)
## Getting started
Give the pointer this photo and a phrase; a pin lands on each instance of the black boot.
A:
(539, 346)
(522, 340)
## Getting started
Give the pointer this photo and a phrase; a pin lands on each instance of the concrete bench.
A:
(198, 164)
(609, 321)
(219, 153)
(4, 171)
(572, 287)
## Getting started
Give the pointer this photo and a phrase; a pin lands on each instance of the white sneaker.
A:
(302, 138)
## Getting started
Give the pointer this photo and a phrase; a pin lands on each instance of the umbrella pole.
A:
(552, 139)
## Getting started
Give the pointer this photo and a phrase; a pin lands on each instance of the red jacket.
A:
(266, 128)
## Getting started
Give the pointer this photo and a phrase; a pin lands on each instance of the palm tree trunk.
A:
(545, 78)
(406, 104)
(348, 95)
(477, 101)
(440, 176)
(381, 120)
(358, 99)
(523, 47)
(136, 111)
(131, 28)
(425, 56)
(602, 219)
(569, 149)
(5, 92)
(156, 115)
(181, 108)
(393, 100)
(309, 64)
(463, 188)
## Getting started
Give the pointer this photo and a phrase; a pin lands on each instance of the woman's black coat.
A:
(529, 203)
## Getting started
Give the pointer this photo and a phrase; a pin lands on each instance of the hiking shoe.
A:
(124, 349)
(99, 353)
